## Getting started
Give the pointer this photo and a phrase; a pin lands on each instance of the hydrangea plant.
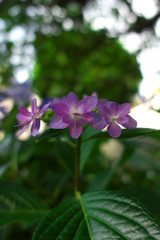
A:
(99, 215)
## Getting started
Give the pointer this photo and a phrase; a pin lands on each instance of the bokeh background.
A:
(50, 48)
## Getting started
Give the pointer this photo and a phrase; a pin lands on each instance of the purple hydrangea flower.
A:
(73, 114)
(21, 93)
(111, 114)
(56, 100)
(26, 118)
(3, 109)
(99, 101)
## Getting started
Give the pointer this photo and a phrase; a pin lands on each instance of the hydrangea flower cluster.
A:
(72, 113)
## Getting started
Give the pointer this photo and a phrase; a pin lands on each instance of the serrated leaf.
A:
(17, 204)
(126, 133)
(103, 215)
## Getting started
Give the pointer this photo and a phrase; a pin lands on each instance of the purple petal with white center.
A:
(57, 122)
(68, 118)
(35, 127)
(113, 108)
(114, 130)
(132, 123)
(75, 129)
(60, 109)
(34, 106)
(72, 100)
(87, 104)
(122, 120)
(124, 109)
(98, 122)
(24, 111)
(23, 118)
(24, 129)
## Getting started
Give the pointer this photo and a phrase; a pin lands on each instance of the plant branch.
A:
(77, 164)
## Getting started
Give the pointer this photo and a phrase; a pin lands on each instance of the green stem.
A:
(77, 165)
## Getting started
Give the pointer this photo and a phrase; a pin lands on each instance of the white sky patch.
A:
(157, 28)
(150, 67)
(131, 41)
(21, 74)
(146, 118)
(147, 8)
(2, 24)
(17, 34)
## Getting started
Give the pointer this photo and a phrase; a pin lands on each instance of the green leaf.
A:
(86, 150)
(102, 179)
(126, 133)
(67, 154)
(103, 215)
(87, 147)
(17, 204)
(51, 133)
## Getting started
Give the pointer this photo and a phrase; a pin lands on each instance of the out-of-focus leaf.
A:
(103, 178)
(98, 215)
(51, 133)
(87, 147)
(4, 167)
(17, 204)
(126, 133)
(67, 154)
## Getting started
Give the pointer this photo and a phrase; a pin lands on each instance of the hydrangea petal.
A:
(35, 127)
(24, 111)
(43, 109)
(23, 118)
(68, 118)
(72, 100)
(132, 123)
(60, 109)
(114, 130)
(122, 120)
(84, 118)
(113, 108)
(87, 104)
(101, 101)
(75, 129)
(24, 129)
(124, 109)
(103, 111)
(108, 104)
(57, 122)
(98, 122)
(34, 106)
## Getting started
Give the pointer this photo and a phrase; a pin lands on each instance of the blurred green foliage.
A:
(85, 62)
(67, 56)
